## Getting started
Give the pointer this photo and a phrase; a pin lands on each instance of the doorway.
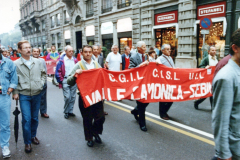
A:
(78, 40)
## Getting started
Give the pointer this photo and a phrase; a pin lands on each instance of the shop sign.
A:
(212, 10)
(124, 25)
(107, 28)
(90, 30)
(165, 18)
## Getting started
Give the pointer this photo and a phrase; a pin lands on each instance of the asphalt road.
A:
(186, 137)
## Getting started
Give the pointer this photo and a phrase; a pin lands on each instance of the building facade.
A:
(124, 22)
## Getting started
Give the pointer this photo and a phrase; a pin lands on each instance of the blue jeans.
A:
(5, 109)
(30, 106)
(43, 106)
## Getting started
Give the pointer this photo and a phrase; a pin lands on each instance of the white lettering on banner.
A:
(165, 18)
(211, 10)
(168, 75)
(122, 77)
(111, 77)
(119, 96)
(156, 90)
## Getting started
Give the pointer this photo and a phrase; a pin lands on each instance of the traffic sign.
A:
(206, 23)
(204, 31)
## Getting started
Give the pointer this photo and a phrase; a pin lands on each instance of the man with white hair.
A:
(166, 60)
(138, 60)
(114, 60)
(63, 69)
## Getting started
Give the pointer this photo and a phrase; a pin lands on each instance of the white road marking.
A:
(169, 121)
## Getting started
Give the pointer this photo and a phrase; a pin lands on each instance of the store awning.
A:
(165, 26)
(218, 19)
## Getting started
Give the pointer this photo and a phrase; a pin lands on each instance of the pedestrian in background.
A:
(63, 69)
(138, 60)
(114, 60)
(210, 60)
(43, 106)
(157, 51)
(133, 50)
(96, 55)
(93, 116)
(53, 55)
(166, 60)
(8, 82)
(32, 77)
(126, 58)
(151, 56)
(226, 106)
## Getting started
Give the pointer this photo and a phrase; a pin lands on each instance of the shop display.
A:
(167, 36)
(214, 38)
(124, 42)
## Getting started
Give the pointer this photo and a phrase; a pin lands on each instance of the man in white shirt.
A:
(63, 69)
(114, 60)
(93, 116)
(210, 60)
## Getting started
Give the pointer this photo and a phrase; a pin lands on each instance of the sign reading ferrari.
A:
(153, 83)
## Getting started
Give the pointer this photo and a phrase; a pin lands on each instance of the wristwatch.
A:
(9, 92)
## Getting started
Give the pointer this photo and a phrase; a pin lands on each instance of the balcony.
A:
(123, 5)
(89, 14)
(105, 10)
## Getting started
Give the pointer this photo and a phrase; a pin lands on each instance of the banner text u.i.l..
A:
(152, 83)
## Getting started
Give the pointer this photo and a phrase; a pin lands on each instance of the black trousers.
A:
(93, 119)
(141, 107)
(202, 99)
(164, 107)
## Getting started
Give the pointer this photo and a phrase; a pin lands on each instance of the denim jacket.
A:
(8, 75)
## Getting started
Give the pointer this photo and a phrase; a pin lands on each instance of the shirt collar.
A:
(24, 60)
(86, 62)
(66, 58)
(234, 65)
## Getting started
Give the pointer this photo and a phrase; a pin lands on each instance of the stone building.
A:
(124, 22)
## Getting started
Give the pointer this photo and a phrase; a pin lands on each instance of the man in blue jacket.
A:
(8, 81)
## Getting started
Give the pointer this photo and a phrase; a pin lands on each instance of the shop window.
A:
(107, 43)
(214, 38)
(90, 42)
(124, 3)
(125, 42)
(167, 36)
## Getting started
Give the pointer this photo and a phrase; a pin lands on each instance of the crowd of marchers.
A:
(25, 78)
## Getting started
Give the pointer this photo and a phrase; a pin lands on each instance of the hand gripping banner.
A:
(152, 83)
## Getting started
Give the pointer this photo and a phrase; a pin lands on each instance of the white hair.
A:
(114, 45)
(164, 46)
(140, 44)
(67, 47)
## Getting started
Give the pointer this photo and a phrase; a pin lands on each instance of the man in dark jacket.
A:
(210, 60)
(126, 58)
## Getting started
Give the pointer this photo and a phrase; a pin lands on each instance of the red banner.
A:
(51, 66)
(152, 83)
(14, 58)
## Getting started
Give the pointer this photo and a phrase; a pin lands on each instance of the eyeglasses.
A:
(27, 48)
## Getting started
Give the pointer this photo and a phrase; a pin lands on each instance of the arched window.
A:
(78, 18)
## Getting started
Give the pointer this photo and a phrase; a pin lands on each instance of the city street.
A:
(187, 136)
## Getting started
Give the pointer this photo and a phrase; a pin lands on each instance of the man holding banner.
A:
(95, 111)
(166, 60)
(138, 60)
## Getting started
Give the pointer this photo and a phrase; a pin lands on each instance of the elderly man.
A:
(43, 106)
(138, 60)
(114, 60)
(126, 58)
(63, 69)
(210, 60)
(166, 60)
(96, 56)
(8, 81)
(31, 76)
(94, 112)
(226, 106)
